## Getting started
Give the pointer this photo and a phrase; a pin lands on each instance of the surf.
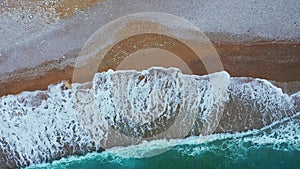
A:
(129, 108)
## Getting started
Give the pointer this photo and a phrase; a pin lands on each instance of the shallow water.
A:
(225, 122)
(274, 146)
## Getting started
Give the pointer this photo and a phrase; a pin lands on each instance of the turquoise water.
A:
(276, 146)
(255, 158)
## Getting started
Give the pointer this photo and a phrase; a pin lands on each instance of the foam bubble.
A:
(254, 103)
(156, 103)
(280, 136)
(42, 125)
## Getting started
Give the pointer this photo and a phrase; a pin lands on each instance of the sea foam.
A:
(149, 105)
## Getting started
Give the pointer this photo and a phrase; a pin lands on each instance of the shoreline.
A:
(271, 61)
(42, 40)
(232, 113)
(44, 50)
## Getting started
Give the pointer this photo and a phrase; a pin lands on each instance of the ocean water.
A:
(274, 146)
(156, 118)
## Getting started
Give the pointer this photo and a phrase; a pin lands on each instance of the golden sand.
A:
(68, 7)
(270, 61)
(267, 60)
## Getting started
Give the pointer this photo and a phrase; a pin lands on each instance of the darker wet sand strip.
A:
(261, 58)
(273, 61)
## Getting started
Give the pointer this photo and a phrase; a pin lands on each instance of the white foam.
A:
(65, 121)
(42, 125)
(281, 135)
(37, 126)
(255, 103)
(138, 98)
(238, 143)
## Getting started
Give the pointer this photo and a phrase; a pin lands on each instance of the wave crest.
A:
(153, 104)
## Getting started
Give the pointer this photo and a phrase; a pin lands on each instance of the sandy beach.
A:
(41, 40)
(273, 61)
(44, 54)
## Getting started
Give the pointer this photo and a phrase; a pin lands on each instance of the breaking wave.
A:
(130, 108)
(278, 145)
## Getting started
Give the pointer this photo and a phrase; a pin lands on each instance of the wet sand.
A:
(242, 55)
(269, 58)
(273, 61)
(250, 56)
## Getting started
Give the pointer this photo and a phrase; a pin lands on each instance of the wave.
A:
(281, 137)
(123, 108)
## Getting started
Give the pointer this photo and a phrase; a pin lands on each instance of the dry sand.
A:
(41, 39)
(42, 52)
